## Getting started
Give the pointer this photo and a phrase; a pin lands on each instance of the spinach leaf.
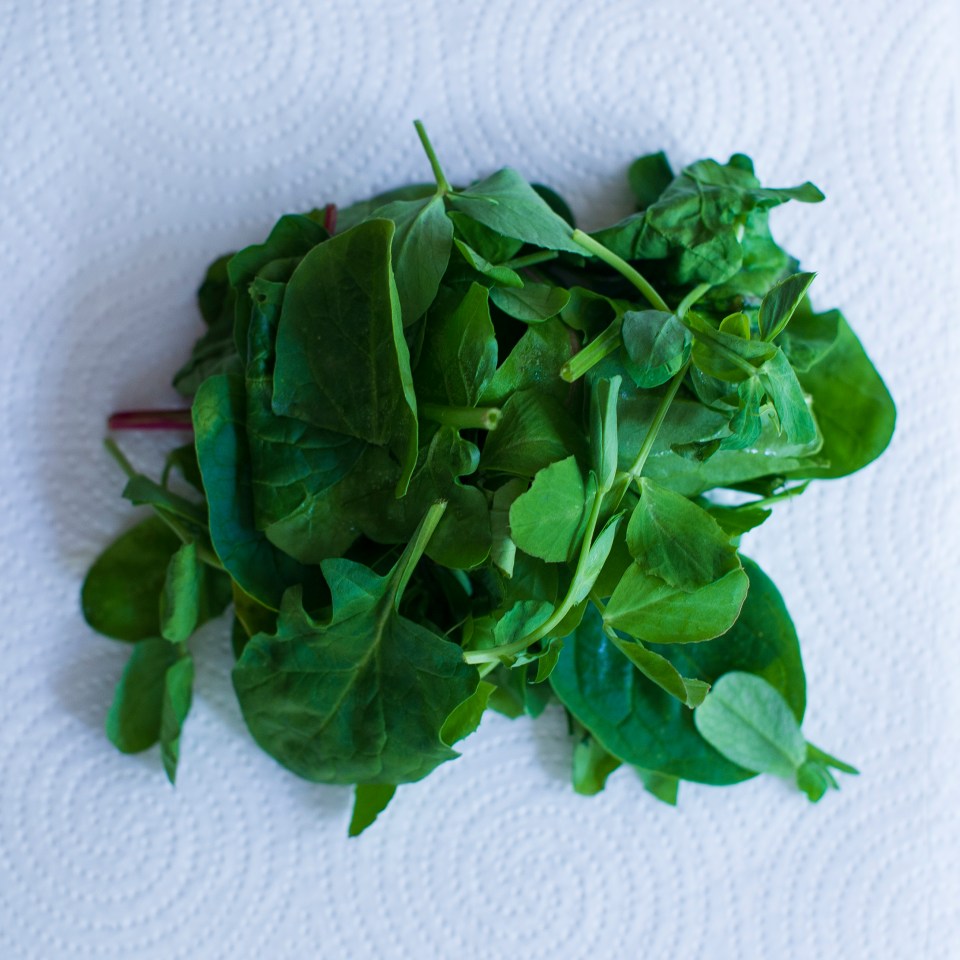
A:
(459, 356)
(507, 204)
(361, 698)
(534, 431)
(343, 297)
(219, 423)
(420, 253)
(534, 303)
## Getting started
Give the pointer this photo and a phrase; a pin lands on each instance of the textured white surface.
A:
(143, 137)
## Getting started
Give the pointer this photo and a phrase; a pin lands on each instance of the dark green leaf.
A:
(369, 801)
(507, 204)
(497, 273)
(534, 431)
(459, 354)
(219, 423)
(780, 302)
(649, 176)
(121, 592)
(362, 697)
(534, 303)
(342, 363)
(420, 252)
(534, 362)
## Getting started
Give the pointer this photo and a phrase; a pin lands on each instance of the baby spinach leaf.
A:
(361, 698)
(292, 237)
(485, 242)
(749, 722)
(548, 520)
(810, 336)
(534, 362)
(534, 303)
(343, 297)
(420, 251)
(497, 273)
(745, 424)
(459, 355)
(507, 204)
(534, 431)
(350, 216)
(219, 423)
(780, 302)
(649, 176)
(369, 801)
(292, 462)
(854, 409)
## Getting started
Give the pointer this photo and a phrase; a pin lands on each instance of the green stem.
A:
(661, 413)
(625, 479)
(691, 298)
(531, 259)
(410, 557)
(622, 267)
(601, 346)
(443, 185)
(117, 455)
(462, 418)
(505, 650)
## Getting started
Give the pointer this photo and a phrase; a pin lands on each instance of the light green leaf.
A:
(535, 303)
(547, 521)
(507, 204)
(657, 343)
(780, 302)
(749, 722)
(180, 599)
(420, 251)
(674, 539)
(648, 608)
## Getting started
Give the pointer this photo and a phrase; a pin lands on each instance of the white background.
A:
(140, 138)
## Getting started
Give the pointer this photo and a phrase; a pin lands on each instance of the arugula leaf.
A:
(361, 698)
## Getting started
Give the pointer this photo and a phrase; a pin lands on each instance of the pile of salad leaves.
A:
(451, 453)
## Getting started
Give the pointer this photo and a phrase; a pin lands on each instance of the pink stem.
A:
(150, 420)
(330, 218)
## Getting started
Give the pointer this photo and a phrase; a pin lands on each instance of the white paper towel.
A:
(143, 137)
